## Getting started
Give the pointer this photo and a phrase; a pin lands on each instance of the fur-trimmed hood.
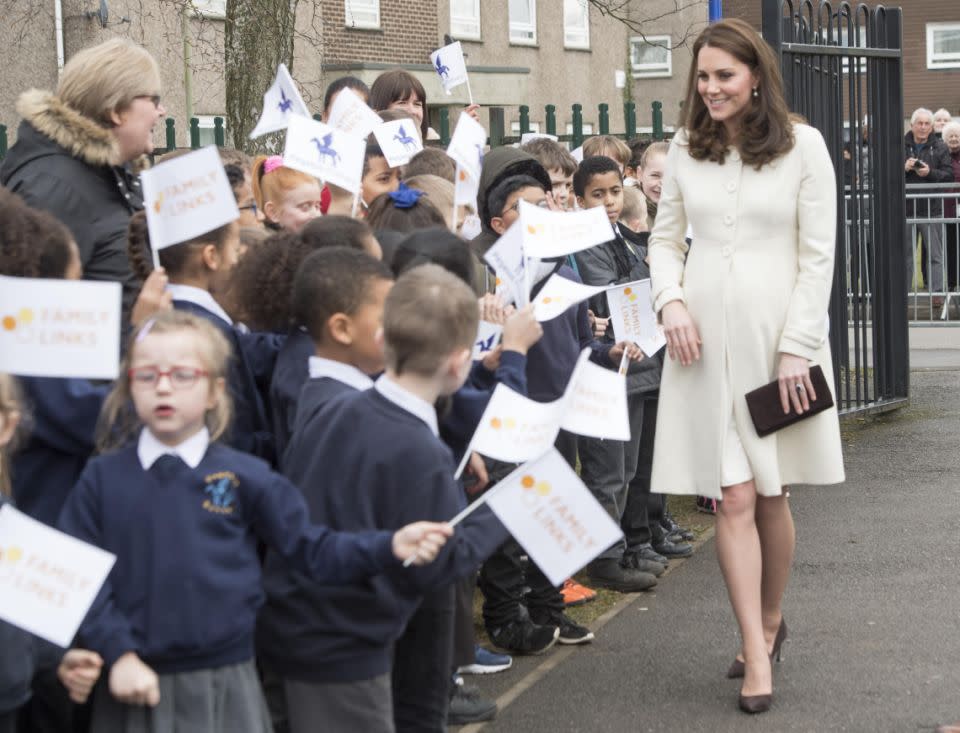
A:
(80, 136)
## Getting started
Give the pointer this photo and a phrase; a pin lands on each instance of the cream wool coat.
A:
(756, 282)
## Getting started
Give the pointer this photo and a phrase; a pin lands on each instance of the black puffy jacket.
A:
(63, 163)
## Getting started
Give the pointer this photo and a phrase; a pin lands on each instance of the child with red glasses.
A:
(183, 513)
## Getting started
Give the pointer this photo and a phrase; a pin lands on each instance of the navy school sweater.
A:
(249, 430)
(550, 361)
(186, 587)
(289, 376)
(363, 463)
(63, 418)
(315, 394)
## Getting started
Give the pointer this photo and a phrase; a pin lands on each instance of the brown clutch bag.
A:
(767, 412)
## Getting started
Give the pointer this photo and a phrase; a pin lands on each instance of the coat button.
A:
(728, 220)
(731, 186)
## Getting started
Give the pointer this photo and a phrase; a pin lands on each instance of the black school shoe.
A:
(668, 548)
(523, 636)
(467, 705)
(570, 631)
(634, 560)
(615, 574)
(674, 531)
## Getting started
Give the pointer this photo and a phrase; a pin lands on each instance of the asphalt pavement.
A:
(873, 609)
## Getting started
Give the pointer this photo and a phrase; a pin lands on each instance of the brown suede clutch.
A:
(767, 412)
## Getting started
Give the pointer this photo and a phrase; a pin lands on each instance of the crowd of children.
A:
(295, 393)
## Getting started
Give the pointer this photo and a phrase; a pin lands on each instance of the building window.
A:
(523, 22)
(206, 126)
(576, 24)
(587, 128)
(515, 128)
(210, 8)
(651, 56)
(943, 45)
(465, 19)
(362, 13)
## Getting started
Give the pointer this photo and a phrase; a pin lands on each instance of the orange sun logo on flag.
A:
(11, 554)
(530, 483)
(508, 423)
(631, 296)
(463, 175)
(158, 204)
(23, 318)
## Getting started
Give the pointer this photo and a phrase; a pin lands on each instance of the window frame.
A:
(584, 44)
(213, 9)
(587, 130)
(651, 71)
(467, 35)
(350, 21)
(206, 125)
(515, 128)
(523, 27)
(933, 63)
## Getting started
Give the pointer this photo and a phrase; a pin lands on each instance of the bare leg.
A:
(738, 550)
(777, 540)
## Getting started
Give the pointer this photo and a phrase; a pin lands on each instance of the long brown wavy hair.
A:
(767, 132)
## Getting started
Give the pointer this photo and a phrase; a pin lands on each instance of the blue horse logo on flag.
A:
(487, 344)
(443, 71)
(404, 139)
(285, 104)
(325, 150)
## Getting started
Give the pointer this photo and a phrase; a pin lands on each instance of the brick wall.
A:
(408, 33)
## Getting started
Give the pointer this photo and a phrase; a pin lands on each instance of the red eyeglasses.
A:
(181, 377)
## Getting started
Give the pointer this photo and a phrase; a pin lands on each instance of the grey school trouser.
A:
(607, 468)
(364, 705)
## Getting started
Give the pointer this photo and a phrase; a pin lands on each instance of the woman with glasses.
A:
(74, 149)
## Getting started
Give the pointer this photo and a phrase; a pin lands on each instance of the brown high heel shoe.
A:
(776, 655)
(754, 704)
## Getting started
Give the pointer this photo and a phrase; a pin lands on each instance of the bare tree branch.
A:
(625, 11)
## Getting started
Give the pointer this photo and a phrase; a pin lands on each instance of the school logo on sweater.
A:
(220, 492)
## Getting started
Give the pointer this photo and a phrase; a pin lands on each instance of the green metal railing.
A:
(499, 134)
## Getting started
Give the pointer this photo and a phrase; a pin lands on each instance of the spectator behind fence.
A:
(609, 146)
(927, 161)
(74, 149)
(940, 118)
(951, 136)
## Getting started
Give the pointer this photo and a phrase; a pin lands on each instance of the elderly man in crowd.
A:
(927, 161)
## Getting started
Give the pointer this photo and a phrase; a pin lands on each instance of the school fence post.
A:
(657, 120)
(171, 134)
(497, 127)
(444, 126)
(604, 118)
(219, 138)
(3, 142)
(194, 133)
(577, 140)
(630, 119)
(524, 119)
(551, 119)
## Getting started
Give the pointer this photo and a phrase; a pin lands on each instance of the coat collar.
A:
(79, 135)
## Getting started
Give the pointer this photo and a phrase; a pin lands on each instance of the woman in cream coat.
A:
(742, 306)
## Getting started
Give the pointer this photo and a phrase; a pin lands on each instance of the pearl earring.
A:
(755, 93)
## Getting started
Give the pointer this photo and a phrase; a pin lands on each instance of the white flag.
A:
(466, 188)
(528, 136)
(281, 102)
(59, 328)
(450, 66)
(632, 316)
(399, 140)
(550, 512)
(466, 145)
(559, 294)
(351, 114)
(596, 400)
(186, 197)
(48, 580)
(548, 234)
(331, 155)
(577, 154)
(488, 336)
(507, 260)
(515, 428)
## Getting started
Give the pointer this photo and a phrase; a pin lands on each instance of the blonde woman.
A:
(74, 148)
(743, 305)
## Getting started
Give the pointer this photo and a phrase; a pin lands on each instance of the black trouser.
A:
(423, 659)
(50, 709)
(464, 641)
(8, 722)
(502, 577)
(644, 510)
(952, 256)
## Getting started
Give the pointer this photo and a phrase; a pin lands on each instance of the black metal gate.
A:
(843, 71)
